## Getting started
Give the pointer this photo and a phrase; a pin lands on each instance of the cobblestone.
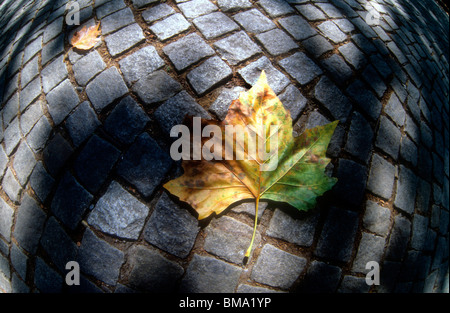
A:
(187, 51)
(124, 39)
(170, 26)
(99, 259)
(386, 83)
(61, 100)
(210, 73)
(236, 48)
(228, 239)
(298, 231)
(144, 165)
(105, 88)
(276, 42)
(300, 67)
(253, 21)
(214, 24)
(277, 81)
(297, 27)
(206, 274)
(381, 177)
(170, 228)
(277, 268)
(151, 272)
(95, 162)
(338, 235)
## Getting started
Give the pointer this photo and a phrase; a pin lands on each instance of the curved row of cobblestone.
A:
(85, 140)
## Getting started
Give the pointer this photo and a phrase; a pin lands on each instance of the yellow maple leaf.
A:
(86, 38)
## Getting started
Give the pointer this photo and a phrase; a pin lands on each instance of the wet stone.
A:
(206, 274)
(395, 110)
(19, 261)
(338, 235)
(229, 239)
(173, 111)
(170, 26)
(126, 121)
(187, 51)
(236, 48)
(119, 213)
(171, 228)
(29, 224)
(142, 3)
(52, 49)
(99, 259)
(156, 87)
(144, 165)
(253, 21)
(95, 162)
(277, 268)
(214, 24)
(151, 272)
(277, 81)
(250, 207)
(253, 289)
(300, 67)
(423, 196)
(210, 73)
(105, 88)
(70, 201)
(419, 231)
(295, 230)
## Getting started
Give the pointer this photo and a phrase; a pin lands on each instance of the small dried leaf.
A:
(86, 38)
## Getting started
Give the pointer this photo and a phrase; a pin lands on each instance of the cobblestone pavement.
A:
(85, 141)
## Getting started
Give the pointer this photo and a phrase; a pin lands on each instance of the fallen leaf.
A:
(298, 179)
(86, 38)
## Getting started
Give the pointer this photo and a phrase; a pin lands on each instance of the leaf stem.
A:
(249, 250)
